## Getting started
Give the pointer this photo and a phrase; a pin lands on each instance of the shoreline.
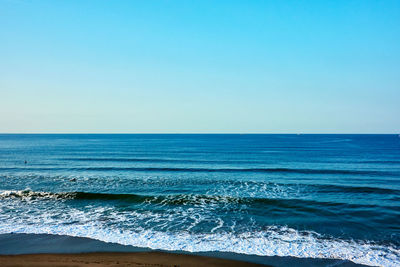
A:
(152, 258)
(26, 249)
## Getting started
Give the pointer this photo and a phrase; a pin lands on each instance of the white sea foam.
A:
(275, 241)
(28, 195)
(144, 228)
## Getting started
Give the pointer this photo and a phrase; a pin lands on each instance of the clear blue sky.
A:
(200, 66)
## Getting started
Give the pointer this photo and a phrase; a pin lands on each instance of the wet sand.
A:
(63, 250)
(117, 259)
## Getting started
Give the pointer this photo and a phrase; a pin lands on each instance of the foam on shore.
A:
(276, 241)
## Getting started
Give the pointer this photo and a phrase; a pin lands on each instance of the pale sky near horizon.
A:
(199, 66)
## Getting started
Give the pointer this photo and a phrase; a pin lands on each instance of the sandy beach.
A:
(117, 259)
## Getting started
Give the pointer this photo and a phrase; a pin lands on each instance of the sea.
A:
(287, 195)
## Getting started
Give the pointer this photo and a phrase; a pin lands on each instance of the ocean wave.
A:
(27, 194)
(167, 160)
(380, 161)
(356, 189)
(178, 199)
(213, 161)
(219, 170)
(274, 241)
(236, 187)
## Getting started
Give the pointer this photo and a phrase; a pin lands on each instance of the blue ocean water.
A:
(319, 196)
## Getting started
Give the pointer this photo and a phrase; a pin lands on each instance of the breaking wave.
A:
(274, 241)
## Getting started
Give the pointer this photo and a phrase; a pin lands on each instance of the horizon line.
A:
(194, 133)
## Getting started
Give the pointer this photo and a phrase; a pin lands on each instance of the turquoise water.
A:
(319, 196)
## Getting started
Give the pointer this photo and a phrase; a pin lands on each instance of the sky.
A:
(199, 66)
